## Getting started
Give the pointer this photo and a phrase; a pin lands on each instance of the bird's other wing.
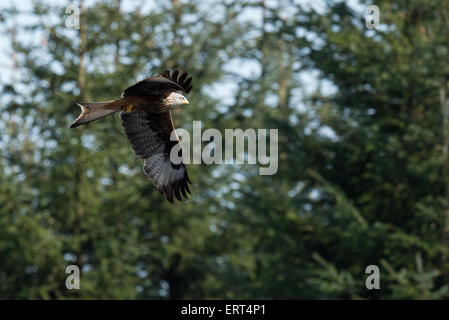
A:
(161, 83)
(149, 135)
(182, 79)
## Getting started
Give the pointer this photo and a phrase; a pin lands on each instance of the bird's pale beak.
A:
(186, 102)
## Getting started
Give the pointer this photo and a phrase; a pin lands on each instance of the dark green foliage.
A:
(372, 191)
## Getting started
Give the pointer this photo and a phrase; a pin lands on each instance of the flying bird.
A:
(145, 113)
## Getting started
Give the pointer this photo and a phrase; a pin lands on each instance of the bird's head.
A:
(175, 100)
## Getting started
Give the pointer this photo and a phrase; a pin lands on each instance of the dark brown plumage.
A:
(145, 113)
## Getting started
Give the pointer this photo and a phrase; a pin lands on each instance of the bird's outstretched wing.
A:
(163, 82)
(182, 80)
(149, 135)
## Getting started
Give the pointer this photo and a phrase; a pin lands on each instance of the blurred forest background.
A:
(363, 119)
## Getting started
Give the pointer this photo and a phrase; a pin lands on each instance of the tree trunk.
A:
(78, 172)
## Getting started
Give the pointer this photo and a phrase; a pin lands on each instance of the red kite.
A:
(145, 113)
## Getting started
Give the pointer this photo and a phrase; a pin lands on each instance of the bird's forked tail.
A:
(97, 110)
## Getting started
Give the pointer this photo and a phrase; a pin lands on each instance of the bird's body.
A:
(145, 113)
